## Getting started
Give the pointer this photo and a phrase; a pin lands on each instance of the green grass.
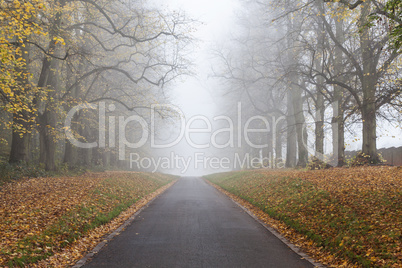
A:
(111, 197)
(343, 223)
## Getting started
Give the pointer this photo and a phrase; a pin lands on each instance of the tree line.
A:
(322, 66)
(62, 53)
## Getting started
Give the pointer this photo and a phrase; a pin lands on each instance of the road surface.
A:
(194, 225)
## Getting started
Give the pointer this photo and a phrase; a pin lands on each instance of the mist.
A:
(192, 88)
(244, 71)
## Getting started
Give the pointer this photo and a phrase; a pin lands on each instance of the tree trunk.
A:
(50, 139)
(278, 143)
(338, 124)
(69, 154)
(97, 157)
(290, 134)
(369, 81)
(300, 126)
(320, 107)
(112, 159)
(20, 137)
(338, 129)
(369, 133)
(49, 79)
(84, 153)
(296, 118)
(319, 120)
(42, 142)
(49, 121)
(105, 159)
(84, 157)
(19, 142)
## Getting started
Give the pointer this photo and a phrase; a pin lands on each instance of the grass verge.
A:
(43, 216)
(351, 216)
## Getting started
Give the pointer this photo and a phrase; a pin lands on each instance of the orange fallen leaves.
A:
(343, 217)
(74, 252)
(42, 216)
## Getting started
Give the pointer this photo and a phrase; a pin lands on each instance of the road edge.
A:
(137, 210)
(277, 234)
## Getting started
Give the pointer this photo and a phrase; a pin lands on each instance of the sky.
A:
(195, 95)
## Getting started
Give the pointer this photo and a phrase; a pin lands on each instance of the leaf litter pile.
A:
(342, 217)
(43, 217)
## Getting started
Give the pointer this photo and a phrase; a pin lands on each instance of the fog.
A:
(197, 87)
(209, 95)
(199, 94)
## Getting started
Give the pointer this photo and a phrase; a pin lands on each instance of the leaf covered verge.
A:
(352, 216)
(40, 217)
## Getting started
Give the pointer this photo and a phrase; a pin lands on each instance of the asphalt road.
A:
(194, 225)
